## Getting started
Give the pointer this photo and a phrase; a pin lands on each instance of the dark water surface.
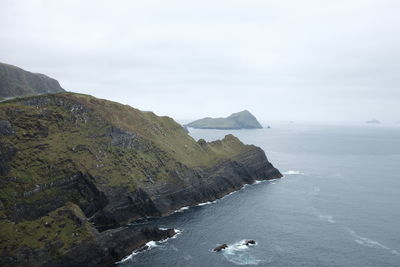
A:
(337, 205)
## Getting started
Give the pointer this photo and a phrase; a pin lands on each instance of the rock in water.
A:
(249, 242)
(240, 120)
(219, 248)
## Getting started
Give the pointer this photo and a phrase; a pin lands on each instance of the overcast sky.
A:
(282, 60)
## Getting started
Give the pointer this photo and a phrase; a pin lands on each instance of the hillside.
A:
(15, 82)
(240, 120)
(74, 167)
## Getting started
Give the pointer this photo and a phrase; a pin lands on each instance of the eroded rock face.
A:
(111, 246)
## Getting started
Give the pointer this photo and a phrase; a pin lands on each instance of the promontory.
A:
(75, 170)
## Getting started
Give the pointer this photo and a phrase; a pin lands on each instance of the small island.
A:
(240, 120)
(373, 121)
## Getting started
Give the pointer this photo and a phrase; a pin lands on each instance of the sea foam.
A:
(364, 241)
(240, 254)
(292, 173)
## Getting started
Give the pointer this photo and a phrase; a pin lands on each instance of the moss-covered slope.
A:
(113, 162)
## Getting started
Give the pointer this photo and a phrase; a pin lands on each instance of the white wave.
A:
(240, 254)
(206, 203)
(227, 195)
(326, 218)
(364, 241)
(150, 245)
(292, 173)
(182, 209)
(188, 257)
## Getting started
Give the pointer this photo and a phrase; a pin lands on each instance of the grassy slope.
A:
(59, 230)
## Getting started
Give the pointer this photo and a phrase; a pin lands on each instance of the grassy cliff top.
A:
(161, 130)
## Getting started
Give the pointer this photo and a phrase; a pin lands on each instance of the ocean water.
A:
(338, 204)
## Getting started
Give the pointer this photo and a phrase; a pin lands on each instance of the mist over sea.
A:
(337, 204)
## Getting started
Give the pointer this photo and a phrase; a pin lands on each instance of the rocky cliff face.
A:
(75, 169)
(18, 82)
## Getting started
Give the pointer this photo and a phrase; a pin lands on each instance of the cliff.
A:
(240, 120)
(74, 170)
(18, 82)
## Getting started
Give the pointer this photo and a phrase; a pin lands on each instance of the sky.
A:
(313, 60)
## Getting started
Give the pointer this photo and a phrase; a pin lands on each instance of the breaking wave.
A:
(292, 173)
(240, 254)
(326, 218)
(150, 245)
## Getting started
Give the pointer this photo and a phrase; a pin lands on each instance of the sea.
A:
(338, 203)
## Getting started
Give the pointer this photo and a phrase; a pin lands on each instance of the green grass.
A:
(65, 226)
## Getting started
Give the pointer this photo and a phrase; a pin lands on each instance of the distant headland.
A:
(239, 120)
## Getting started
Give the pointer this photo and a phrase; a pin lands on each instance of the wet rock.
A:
(249, 242)
(219, 248)
(146, 247)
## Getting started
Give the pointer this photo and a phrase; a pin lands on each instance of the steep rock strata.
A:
(116, 164)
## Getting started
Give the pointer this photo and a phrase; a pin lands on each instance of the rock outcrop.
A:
(74, 170)
(240, 120)
(18, 82)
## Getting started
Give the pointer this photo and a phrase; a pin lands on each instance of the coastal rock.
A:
(221, 247)
(249, 242)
